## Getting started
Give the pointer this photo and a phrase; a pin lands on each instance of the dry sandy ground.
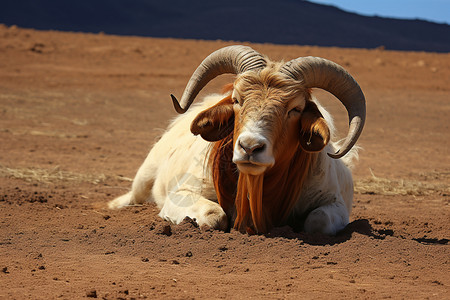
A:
(78, 114)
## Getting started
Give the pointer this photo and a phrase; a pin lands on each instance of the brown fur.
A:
(215, 123)
(314, 133)
(263, 201)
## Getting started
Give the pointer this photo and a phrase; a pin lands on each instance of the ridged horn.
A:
(321, 73)
(231, 59)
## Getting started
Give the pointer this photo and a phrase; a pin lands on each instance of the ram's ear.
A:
(314, 131)
(216, 122)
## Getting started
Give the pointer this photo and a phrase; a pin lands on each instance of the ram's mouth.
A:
(251, 168)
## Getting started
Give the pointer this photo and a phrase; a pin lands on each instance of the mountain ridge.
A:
(283, 22)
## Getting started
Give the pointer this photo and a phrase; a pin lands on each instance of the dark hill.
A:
(281, 22)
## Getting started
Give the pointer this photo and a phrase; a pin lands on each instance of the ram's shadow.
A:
(361, 226)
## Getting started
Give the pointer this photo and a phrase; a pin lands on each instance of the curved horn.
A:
(320, 73)
(231, 59)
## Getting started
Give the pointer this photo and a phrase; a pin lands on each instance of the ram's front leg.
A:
(182, 204)
(328, 219)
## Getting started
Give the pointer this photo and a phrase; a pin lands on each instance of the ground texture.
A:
(78, 114)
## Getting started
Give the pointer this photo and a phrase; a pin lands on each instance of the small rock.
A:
(37, 48)
(91, 294)
(437, 282)
(165, 230)
(5, 270)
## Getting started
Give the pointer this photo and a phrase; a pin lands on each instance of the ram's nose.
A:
(252, 153)
(252, 147)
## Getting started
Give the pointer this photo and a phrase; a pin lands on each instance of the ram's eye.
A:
(296, 110)
(235, 100)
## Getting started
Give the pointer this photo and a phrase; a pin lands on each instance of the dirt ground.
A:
(78, 114)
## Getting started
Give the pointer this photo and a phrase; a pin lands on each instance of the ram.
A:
(259, 155)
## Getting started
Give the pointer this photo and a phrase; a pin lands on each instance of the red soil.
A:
(79, 113)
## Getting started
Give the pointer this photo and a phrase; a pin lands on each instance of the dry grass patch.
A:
(55, 175)
(430, 183)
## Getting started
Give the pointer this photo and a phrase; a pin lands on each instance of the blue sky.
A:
(430, 10)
